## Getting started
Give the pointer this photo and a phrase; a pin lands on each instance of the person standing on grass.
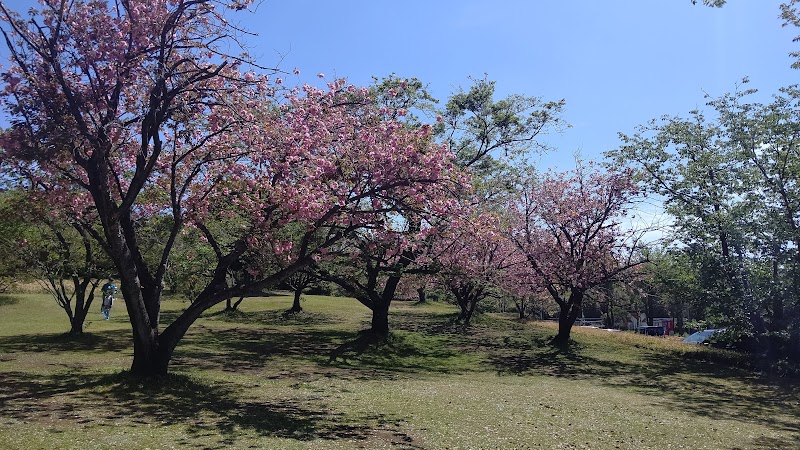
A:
(109, 289)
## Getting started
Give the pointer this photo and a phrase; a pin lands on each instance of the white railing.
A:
(584, 322)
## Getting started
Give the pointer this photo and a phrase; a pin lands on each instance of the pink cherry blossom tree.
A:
(371, 264)
(134, 106)
(476, 261)
(415, 286)
(569, 228)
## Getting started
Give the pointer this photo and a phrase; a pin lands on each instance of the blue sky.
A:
(618, 63)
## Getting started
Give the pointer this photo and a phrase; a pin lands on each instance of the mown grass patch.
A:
(257, 379)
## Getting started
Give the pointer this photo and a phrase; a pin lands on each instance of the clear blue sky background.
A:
(617, 63)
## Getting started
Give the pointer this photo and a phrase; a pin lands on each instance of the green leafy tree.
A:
(676, 282)
(791, 17)
(13, 231)
(692, 166)
(731, 182)
(299, 282)
(70, 267)
(767, 141)
(55, 250)
(489, 136)
(712, 3)
(407, 96)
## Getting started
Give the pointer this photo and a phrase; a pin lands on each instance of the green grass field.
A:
(256, 379)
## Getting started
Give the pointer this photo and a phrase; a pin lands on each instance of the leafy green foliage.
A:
(791, 18)
(711, 3)
(731, 182)
(13, 231)
(491, 136)
(408, 95)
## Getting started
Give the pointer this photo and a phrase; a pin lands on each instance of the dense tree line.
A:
(729, 177)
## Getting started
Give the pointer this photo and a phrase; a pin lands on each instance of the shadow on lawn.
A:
(312, 353)
(425, 343)
(701, 387)
(238, 349)
(6, 300)
(275, 318)
(214, 414)
(104, 341)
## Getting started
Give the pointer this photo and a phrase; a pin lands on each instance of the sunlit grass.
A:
(259, 378)
(623, 342)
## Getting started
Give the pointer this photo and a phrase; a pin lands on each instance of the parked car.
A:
(702, 336)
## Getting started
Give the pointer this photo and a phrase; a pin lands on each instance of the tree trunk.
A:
(462, 306)
(82, 305)
(153, 351)
(296, 308)
(233, 306)
(76, 324)
(521, 304)
(473, 302)
(777, 297)
(238, 302)
(611, 316)
(566, 319)
(380, 318)
(150, 359)
(380, 309)
(422, 296)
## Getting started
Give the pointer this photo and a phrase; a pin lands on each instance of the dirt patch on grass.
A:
(394, 439)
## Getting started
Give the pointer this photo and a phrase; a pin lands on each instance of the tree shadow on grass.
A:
(355, 355)
(538, 357)
(275, 318)
(313, 353)
(7, 300)
(105, 341)
(428, 323)
(214, 414)
(698, 384)
(387, 352)
(404, 354)
(243, 349)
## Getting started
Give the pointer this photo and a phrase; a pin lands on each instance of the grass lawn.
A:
(256, 379)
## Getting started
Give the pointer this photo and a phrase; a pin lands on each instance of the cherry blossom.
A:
(476, 260)
(568, 226)
(126, 112)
